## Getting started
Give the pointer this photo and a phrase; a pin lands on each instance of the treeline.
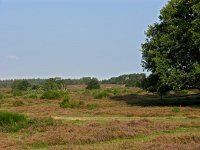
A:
(130, 80)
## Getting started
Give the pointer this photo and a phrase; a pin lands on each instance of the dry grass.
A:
(96, 132)
(7, 143)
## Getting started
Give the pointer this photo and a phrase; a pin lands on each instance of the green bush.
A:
(51, 95)
(66, 103)
(175, 109)
(116, 92)
(17, 93)
(1, 95)
(101, 95)
(91, 106)
(93, 84)
(21, 85)
(33, 96)
(12, 122)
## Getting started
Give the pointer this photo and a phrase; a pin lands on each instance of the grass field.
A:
(113, 118)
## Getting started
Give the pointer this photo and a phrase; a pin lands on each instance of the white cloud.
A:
(12, 57)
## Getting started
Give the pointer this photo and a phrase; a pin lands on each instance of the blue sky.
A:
(73, 38)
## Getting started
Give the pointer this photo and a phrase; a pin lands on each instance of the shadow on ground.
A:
(149, 100)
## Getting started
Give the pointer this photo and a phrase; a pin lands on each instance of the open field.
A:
(112, 118)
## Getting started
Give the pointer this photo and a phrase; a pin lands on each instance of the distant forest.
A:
(130, 80)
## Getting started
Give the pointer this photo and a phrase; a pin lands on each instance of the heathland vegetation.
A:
(135, 111)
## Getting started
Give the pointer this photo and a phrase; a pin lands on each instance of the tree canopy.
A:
(21, 85)
(171, 50)
(93, 84)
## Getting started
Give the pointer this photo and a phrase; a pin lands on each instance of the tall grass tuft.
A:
(67, 103)
(12, 122)
(101, 95)
(1, 95)
(51, 95)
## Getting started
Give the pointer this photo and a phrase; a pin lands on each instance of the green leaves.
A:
(172, 47)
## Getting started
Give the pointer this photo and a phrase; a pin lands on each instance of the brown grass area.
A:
(185, 142)
(7, 143)
(96, 132)
(47, 108)
(167, 142)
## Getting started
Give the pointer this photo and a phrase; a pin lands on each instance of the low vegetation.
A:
(12, 122)
(51, 95)
(113, 117)
(67, 103)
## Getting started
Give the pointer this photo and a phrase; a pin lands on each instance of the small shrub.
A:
(1, 95)
(116, 92)
(66, 103)
(76, 104)
(12, 122)
(175, 109)
(91, 106)
(182, 92)
(17, 93)
(101, 95)
(33, 96)
(51, 95)
(18, 103)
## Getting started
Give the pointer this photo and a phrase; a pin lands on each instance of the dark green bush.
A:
(93, 84)
(51, 95)
(17, 93)
(21, 85)
(1, 95)
(12, 122)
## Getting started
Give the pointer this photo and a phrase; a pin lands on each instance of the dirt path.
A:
(116, 118)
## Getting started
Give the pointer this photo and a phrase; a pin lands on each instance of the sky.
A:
(73, 38)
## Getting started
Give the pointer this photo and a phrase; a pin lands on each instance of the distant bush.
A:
(91, 106)
(182, 92)
(18, 103)
(175, 109)
(93, 84)
(21, 85)
(116, 91)
(12, 122)
(17, 93)
(51, 95)
(1, 95)
(66, 103)
(101, 95)
(33, 96)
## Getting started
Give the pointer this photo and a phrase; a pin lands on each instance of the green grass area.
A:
(12, 122)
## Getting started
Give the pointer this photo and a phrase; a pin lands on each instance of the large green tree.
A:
(172, 47)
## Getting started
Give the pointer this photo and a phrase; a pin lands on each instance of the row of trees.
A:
(8, 83)
(51, 84)
(131, 80)
(171, 51)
